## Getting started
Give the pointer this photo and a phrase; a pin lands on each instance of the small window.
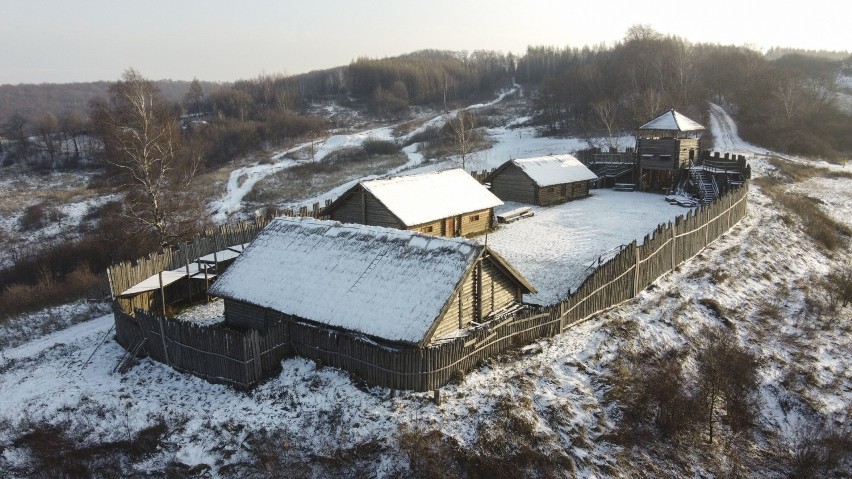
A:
(665, 157)
(426, 229)
(474, 218)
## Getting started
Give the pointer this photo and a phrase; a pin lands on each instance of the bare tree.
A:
(727, 381)
(788, 94)
(607, 113)
(141, 139)
(464, 137)
(194, 98)
(48, 136)
(71, 126)
(15, 130)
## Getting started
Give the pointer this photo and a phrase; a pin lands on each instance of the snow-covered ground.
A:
(556, 248)
(552, 399)
(64, 198)
(509, 142)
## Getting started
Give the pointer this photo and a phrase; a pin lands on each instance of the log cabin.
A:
(664, 145)
(395, 287)
(543, 181)
(446, 203)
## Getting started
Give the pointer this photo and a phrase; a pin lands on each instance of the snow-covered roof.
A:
(554, 170)
(153, 282)
(418, 199)
(672, 120)
(382, 282)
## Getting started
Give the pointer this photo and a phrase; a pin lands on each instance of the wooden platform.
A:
(515, 215)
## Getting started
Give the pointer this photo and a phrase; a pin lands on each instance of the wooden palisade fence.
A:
(245, 358)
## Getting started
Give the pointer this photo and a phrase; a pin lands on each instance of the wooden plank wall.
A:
(126, 274)
(244, 358)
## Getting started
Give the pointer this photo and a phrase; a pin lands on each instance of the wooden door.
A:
(451, 227)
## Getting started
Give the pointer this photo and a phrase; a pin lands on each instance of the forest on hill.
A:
(785, 103)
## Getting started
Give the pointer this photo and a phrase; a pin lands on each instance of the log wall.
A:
(244, 358)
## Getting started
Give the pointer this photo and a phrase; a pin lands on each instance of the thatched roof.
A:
(386, 283)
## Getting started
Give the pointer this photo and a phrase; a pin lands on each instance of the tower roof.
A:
(672, 121)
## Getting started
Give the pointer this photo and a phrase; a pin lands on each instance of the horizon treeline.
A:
(787, 103)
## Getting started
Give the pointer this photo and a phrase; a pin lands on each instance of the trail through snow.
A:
(242, 180)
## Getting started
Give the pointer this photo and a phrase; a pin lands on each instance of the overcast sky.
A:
(56, 41)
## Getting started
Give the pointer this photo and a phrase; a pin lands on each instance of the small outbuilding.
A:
(446, 203)
(544, 180)
(395, 287)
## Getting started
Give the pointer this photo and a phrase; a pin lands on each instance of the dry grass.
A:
(824, 230)
(799, 172)
(58, 189)
(296, 184)
(21, 298)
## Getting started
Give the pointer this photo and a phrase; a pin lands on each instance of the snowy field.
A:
(556, 248)
(558, 389)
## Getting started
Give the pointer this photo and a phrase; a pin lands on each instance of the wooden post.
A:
(188, 276)
(206, 279)
(706, 226)
(111, 287)
(674, 239)
(162, 294)
(163, 339)
(636, 272)
(436, 396)
(479, 294)
(255, 343)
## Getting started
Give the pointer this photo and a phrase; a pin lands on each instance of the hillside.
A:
(556, 408)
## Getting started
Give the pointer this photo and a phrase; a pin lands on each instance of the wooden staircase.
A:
(705, 182)
(611, 170)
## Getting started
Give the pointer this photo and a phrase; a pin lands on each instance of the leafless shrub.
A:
(819, 451)
(431, 454)
(20, 298)
(726, 380)
(55, 452)
(652, 399)
(838, 288)
(374, 146)
(508, 445)
(37, 216)
(273, 455)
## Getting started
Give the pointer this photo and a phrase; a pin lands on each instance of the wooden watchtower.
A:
(663, 146)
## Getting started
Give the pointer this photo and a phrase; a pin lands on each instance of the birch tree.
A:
(142, 142)
(463, 128)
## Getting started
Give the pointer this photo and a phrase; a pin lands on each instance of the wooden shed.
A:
(400, 288)
(447, 203)
(664, 145)
(545, 180)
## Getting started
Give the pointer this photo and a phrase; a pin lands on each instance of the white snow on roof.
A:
(555, 170)
(418, 199)
(153, 282)
(379, 281)
(672, 120)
